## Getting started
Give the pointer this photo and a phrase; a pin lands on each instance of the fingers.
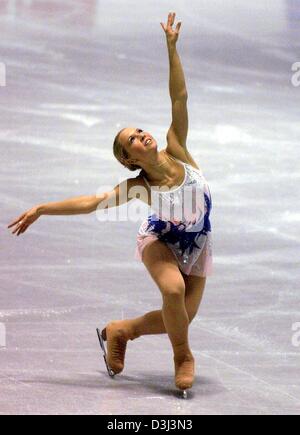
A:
(16, 221)
(22, 229)
(178, 27)
(20, 225)
(171, 20)
(163, 26)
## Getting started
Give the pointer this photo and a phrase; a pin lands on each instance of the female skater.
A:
(174, 243)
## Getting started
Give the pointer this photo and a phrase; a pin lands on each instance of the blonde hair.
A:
(122, 155)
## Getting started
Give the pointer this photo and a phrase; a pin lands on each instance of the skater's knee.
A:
(173, 292)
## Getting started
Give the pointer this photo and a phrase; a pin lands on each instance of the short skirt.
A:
(199, 263)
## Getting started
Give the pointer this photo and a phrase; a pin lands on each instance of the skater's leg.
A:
(164, 270)
(152, 322)
(119, 332)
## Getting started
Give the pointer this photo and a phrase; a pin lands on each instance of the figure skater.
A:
(175, 248)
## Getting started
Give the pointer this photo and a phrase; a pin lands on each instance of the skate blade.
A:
(102, 345)
(183, 394)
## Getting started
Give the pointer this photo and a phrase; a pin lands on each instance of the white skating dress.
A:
(181, 219)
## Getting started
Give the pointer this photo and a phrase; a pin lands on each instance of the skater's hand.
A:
(171, 34)
(24, 221)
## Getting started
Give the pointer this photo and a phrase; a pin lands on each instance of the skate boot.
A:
(117, 335)
(184, 372)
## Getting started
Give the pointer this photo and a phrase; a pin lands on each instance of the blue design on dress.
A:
(177, 233)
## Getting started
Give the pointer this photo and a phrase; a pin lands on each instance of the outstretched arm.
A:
(177, 83)
(76, 206)
(72, 206)
(177, 133)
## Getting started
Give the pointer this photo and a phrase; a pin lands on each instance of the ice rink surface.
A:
(76, 72)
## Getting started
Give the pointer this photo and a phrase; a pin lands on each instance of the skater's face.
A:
(138, 143)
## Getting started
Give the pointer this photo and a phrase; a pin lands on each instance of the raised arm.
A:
(77, 205)
(178, 131)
